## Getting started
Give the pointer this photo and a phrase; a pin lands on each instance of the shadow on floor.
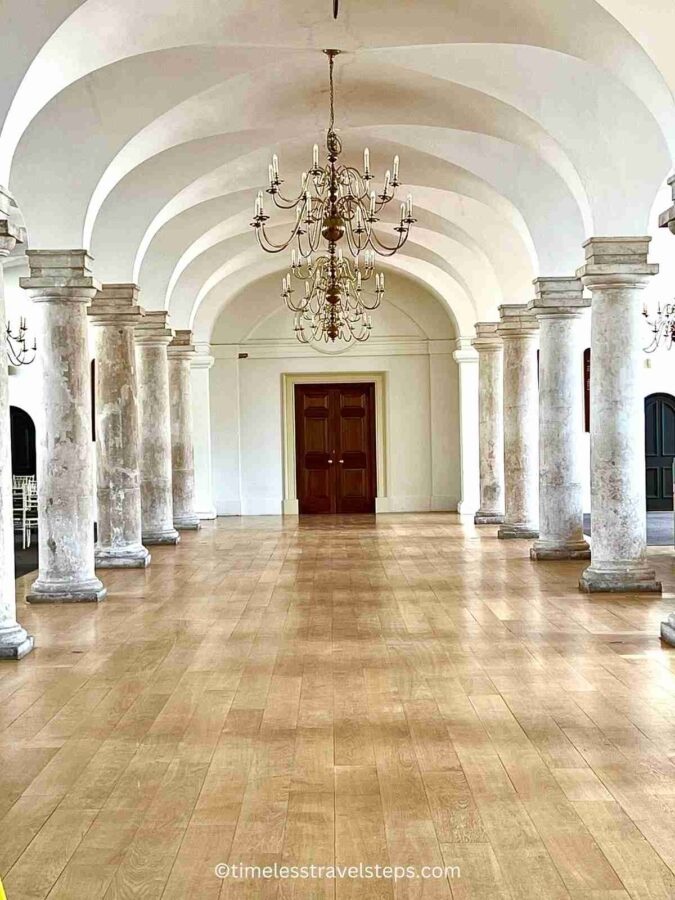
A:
(25, 561)
(659, 528)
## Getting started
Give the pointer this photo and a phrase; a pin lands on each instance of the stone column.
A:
(114, 313)
(201, 364)
(152, 338)
(467, 362)
(62, 287)
(559, 305)
(14, 641)
(616, 270)
(518, 330)
(181, 351)
(491, 428)
(667, 220)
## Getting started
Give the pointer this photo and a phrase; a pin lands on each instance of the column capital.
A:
(667, 218)
(487, 337)
(116, 304)
(153, 328)
(464, 352)
(202, 358)
(60, 275)
(558, 297)
(10, 233)
(616, 262)
(181, 347)
(516, 321)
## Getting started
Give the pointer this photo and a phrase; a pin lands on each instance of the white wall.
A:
(412, 344)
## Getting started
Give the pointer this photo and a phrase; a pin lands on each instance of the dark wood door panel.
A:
(659, 450)
(335, 448)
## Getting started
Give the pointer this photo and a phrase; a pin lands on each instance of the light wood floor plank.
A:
(406, 690)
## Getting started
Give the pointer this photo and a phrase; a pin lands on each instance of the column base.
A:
(668, 630)
(509, 531)
(61, 592)
(207, 514)
(488, 518)
(15, 643)
(112, 558)
(560, 550)
(187, 523)
(170, 536)
(620, 577)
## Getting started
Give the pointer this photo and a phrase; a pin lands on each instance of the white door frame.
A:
(288, 382)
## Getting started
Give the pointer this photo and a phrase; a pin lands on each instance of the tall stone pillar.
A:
(467, 362)
(201, 364)
(615, 272)
(518, 330)
(667, 220)
(491, 425)
(152, 339)
(14, 641)
(559, 306)
(181, 351)
(114, 313)
(62, 287)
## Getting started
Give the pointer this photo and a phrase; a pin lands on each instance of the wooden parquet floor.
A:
(401, 691)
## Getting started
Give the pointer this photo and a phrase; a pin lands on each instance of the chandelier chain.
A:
(336, 214)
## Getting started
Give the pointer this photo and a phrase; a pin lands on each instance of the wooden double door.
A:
(335, 448)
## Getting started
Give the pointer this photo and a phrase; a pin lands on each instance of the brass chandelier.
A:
(662, 327)
(335, 205)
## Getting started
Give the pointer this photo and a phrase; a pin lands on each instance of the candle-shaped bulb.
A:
(366, 161)
(402, 212)
(387, 179)
(358, 280)
(307, 289)
(275, 165)
(372, 204)
(315, 157)
(271, 174)
(382, 281)
(409, 202)
(396, 165)
(293, 259)
(261, 202)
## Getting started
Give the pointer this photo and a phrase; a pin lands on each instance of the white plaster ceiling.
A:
(142, 131)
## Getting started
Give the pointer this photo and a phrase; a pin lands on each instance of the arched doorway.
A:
(23, 442)
(659, 450)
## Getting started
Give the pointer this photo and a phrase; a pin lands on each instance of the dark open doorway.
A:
(24, 464)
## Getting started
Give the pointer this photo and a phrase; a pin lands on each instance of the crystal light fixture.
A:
(662, 327)
(18, 353)
(335, 205)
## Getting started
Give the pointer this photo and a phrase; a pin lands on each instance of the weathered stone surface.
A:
(14, 641)
(518, 330)
(61, 285)
(616, 270)
(490, 349)
(152, 338)
(114, 313)
(558, 307)
(181, 352)
(668, 630)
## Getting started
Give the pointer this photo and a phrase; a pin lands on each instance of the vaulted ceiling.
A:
(143, 131)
